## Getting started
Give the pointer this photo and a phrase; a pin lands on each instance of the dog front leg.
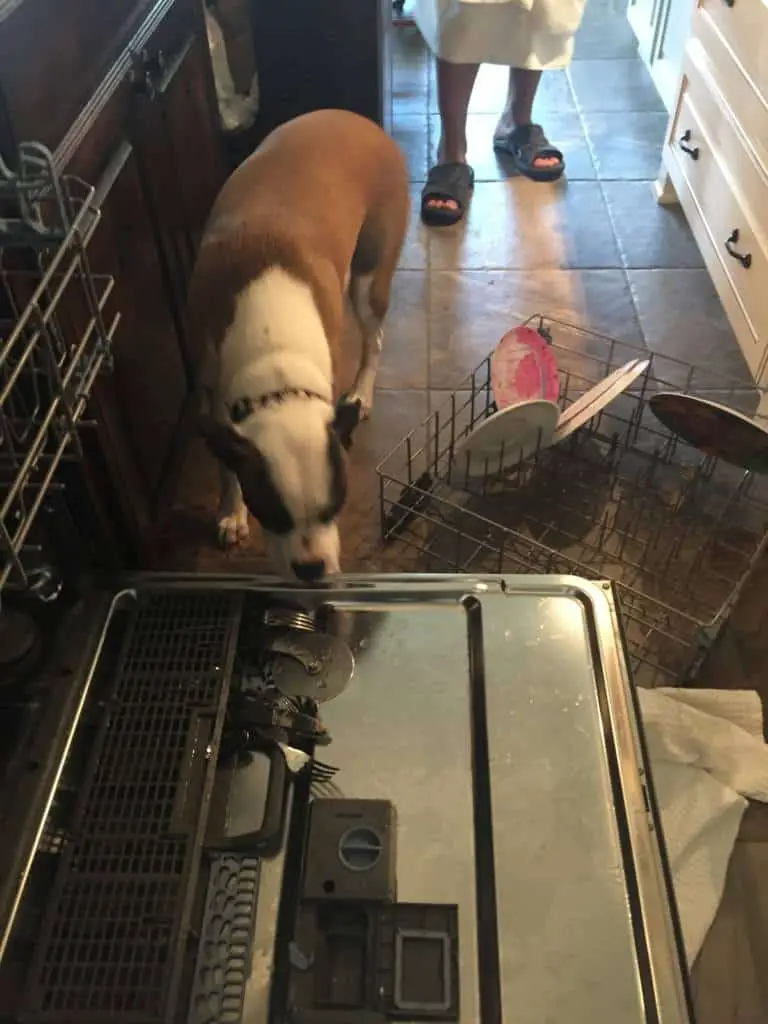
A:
(371, 329)
(232, 518)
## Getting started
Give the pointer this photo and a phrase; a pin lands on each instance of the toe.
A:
(442, 204)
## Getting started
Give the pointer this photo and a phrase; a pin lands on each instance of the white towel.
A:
(536, 34)
(707, 755)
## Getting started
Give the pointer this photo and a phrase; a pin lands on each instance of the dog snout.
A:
(308, 572)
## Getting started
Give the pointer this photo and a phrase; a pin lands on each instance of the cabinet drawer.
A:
(748, 178)
(743, 25)
(729, 224)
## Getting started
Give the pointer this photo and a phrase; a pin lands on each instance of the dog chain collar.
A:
(242, 408)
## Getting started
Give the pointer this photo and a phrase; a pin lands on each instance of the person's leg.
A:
(446, 179)
(454, 89)
(518, 110)
(516, 132)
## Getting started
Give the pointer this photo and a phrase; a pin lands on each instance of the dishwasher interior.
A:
(398, 798)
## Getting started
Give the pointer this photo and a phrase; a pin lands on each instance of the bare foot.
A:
(446, 195)
(458, 156)
(533, 154)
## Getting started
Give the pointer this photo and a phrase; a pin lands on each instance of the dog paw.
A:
(233, 529)
(363, 401)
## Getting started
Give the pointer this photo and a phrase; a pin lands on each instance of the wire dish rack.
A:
(678, 533)
(54, 340)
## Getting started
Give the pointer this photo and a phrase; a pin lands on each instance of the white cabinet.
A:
(644, 17)
(716, 159)
(662, 28)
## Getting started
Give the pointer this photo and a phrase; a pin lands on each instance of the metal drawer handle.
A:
(729, 3)
(745, 259)
(692, 151)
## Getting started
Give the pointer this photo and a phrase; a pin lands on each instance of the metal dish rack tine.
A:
(382, 506)
(636, 418)
(709, 466)
(436, 424)
(610, 364)
(669, 450)
(686, 495)
(502, 554)
(603, 528)
(453, 424)
(746, 485)
(565, 387)
(451, 442)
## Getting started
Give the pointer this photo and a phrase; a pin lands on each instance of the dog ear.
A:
(346, 420)
(225, 444)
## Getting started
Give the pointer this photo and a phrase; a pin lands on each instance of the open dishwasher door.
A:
(392, 798)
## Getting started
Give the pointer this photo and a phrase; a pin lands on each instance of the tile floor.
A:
(594, 249)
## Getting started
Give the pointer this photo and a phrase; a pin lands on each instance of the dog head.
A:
(290, 458)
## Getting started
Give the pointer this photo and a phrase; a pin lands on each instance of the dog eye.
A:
(265, 505)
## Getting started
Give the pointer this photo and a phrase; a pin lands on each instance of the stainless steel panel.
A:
(566, 937)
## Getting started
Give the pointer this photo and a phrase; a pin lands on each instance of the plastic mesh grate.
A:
(224, 955)
(113, 936)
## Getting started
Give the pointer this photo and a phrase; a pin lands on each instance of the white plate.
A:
(507, 437)
(715, 429)
(596, 399)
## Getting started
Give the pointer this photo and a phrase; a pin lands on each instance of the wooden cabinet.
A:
(184, 95)
(56, 57)
(140, 403)
(181, 165)
(121, 91)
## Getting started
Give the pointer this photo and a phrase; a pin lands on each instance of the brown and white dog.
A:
(318, 211)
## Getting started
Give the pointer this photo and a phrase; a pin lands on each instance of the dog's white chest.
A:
(277, 332)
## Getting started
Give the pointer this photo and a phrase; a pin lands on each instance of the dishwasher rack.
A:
(677, 532)
(55, 338)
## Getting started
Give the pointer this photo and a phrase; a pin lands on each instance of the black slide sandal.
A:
(447, 181)
(526, 145)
